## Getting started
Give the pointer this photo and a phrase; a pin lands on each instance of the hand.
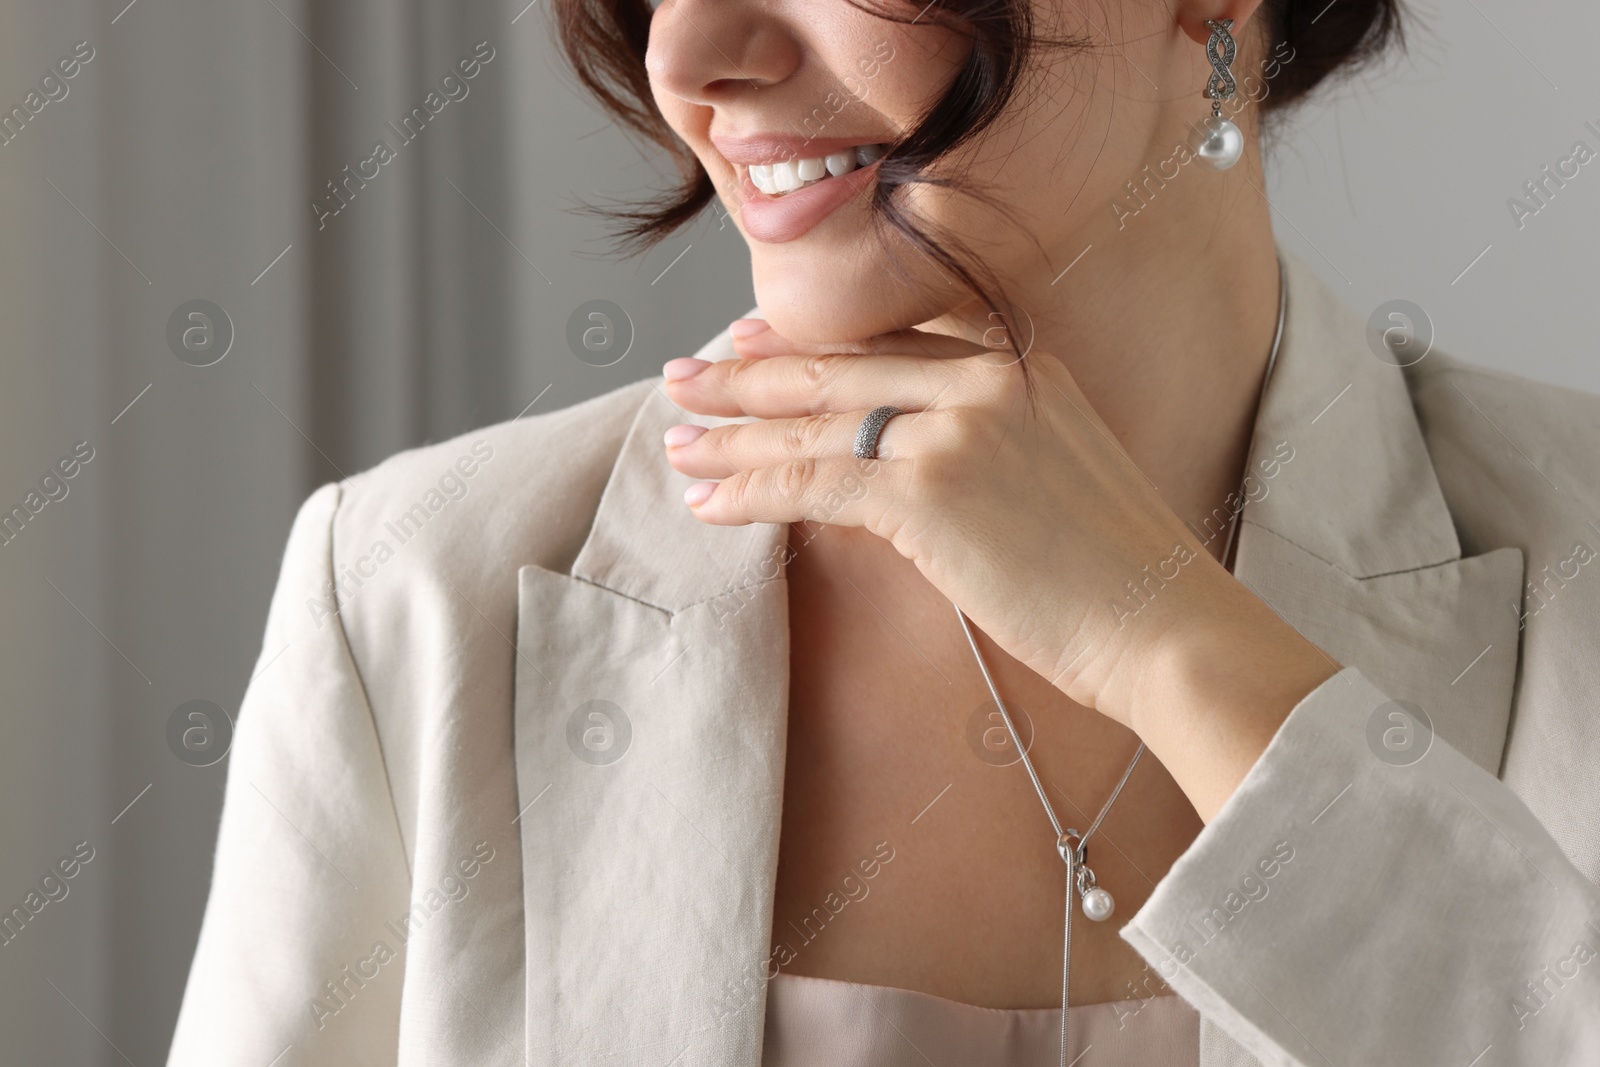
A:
(1024, 512)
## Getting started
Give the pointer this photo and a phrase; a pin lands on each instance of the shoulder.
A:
(524, 489)
(1509, 451)
(1519, 463)
(1547, 415)
(399, 595)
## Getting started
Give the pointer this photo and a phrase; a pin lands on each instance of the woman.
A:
(556, 755)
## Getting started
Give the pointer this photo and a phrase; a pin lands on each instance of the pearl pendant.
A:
(1098, 905)
(1220, 143)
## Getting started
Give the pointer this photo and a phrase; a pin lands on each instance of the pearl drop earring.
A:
(1220, 144)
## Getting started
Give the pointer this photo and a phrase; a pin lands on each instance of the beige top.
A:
(819, 1022)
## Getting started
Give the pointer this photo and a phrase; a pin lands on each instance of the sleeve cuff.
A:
(1370, 895)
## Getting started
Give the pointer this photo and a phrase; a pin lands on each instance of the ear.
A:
(1192, 15)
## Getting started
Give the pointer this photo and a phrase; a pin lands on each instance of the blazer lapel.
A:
(651, 703)
(1351, 542)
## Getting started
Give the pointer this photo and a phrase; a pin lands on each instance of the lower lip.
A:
(776, 219)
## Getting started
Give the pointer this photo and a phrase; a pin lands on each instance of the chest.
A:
(914, 851)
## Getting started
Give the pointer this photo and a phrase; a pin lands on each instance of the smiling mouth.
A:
(781, 178)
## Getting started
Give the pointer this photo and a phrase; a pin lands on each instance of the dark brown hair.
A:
(605, 40)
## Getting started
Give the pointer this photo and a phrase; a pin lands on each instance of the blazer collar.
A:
(1363, 495)
(646, 544)
(1352, 542)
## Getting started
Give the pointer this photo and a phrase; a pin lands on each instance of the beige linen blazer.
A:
(431, 854)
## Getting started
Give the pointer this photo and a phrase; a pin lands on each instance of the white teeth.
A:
(775, 179)
(786, 176)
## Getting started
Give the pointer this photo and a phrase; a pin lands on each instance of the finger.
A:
(751, 342)
(791, 386)
(840, 492)
(723, 451)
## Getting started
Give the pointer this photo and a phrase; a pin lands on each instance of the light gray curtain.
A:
(181, 163)
(439, 294)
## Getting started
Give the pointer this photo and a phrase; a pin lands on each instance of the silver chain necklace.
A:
(1072, 846)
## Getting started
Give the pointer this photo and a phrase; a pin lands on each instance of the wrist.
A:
(1213, 694)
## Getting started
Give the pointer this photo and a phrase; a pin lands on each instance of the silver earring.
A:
(1219, 142)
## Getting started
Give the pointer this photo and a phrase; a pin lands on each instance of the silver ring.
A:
(871, 426)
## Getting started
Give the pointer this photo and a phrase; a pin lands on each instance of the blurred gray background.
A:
(181, 163)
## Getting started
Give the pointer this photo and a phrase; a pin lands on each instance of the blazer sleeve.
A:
(310, 867)
(1369, 895)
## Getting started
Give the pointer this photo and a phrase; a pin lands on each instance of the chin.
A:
(818, 303)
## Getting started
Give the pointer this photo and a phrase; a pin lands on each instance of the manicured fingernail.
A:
(699, 493)
(676, 370)
(747, 327)
(682, 435)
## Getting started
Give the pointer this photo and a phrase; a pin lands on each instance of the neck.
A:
(1166, 324)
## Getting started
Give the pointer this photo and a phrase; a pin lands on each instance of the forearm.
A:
(1212, 697)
